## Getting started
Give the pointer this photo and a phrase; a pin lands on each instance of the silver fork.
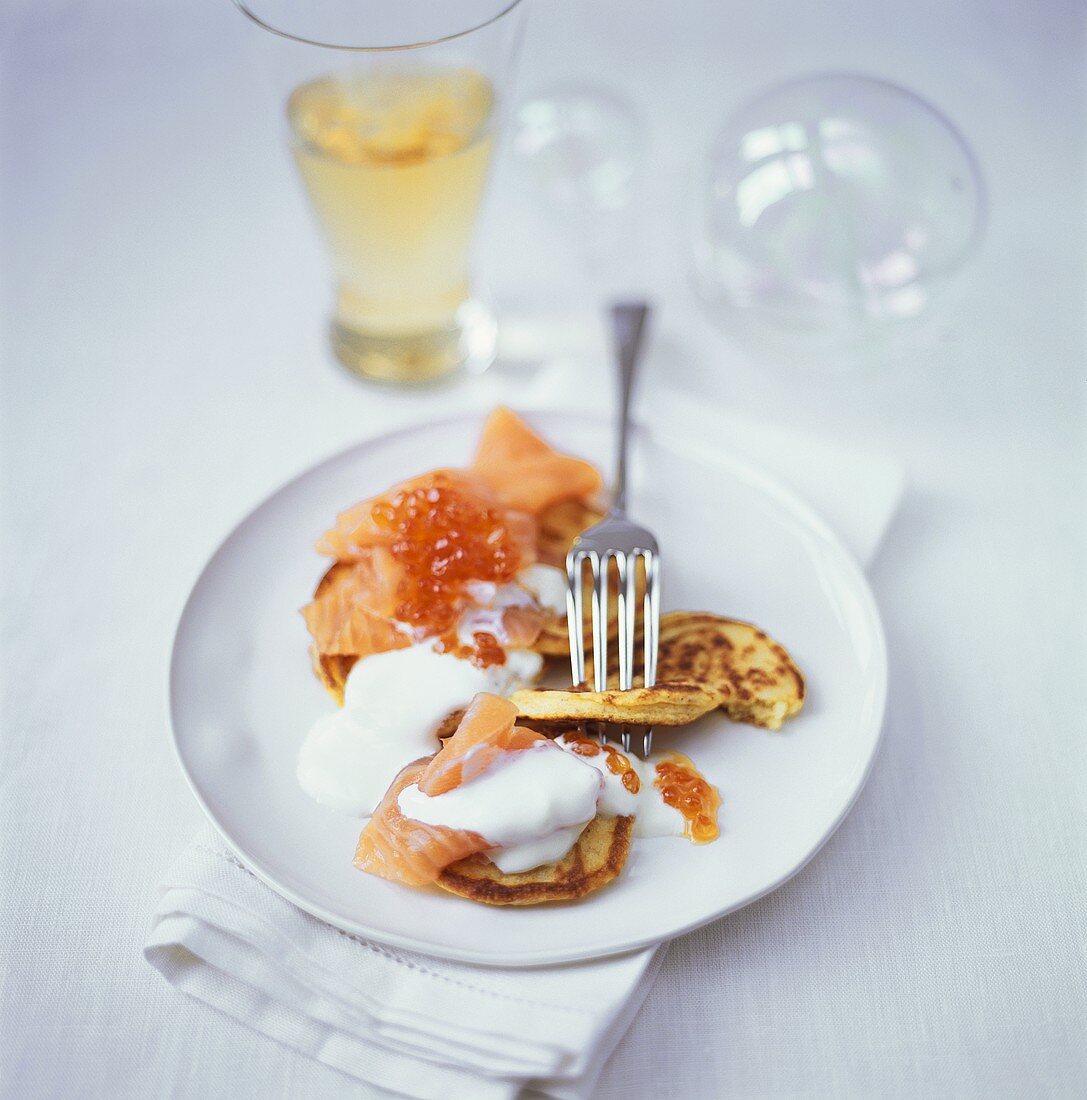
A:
(617, 537)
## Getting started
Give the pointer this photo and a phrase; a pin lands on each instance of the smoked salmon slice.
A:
(409, 557)
(369, 523)
(413, 554)
(522, 625)
(524, 471)
(486, 732)
(395, 847)
(351, 611)
(414, 853)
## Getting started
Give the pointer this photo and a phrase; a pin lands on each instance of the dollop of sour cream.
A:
(532, 805)
(540, 585)
(394, 703)
(652, 815)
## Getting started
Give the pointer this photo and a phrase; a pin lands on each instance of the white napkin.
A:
(406, 1022)
(418, 1025)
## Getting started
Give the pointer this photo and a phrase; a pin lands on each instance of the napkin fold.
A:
(406, 1022)
(422, 1026)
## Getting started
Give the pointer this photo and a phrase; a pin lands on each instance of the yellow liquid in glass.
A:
(395, 163)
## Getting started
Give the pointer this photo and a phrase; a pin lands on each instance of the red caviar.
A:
(618, 763)
(683, 788)
(445, 537)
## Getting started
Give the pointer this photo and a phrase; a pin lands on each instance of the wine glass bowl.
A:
(831, 215)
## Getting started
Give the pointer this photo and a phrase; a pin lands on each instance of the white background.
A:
(164, 366)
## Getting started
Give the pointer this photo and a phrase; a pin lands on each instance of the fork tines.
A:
(599, 554)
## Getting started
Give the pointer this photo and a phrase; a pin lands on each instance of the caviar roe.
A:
(618, 763)
(683, 788)
(444, 537)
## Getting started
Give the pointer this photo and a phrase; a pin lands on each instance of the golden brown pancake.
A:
(704, 661)
(559, 525)
(332, 669)
(754, 676)
(554, 639)
(596, 859)
(664, 704)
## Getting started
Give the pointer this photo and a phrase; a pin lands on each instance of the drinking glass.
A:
(392, 110)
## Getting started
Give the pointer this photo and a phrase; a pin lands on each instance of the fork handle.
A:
(628, 326)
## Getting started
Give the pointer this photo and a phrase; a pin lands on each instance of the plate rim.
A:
(738, 465)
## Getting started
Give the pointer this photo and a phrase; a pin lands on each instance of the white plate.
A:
(733, 541)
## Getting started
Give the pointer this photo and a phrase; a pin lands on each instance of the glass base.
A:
(418, 358)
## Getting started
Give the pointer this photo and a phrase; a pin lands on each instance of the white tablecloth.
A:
(165, 365)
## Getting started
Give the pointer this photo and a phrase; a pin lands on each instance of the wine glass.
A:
(831, 216)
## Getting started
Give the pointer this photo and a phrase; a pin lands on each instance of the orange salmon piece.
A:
(360, 527)
(523, 625)
(486, 732)
(397, 848)
(524, 471)
(351, 611)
